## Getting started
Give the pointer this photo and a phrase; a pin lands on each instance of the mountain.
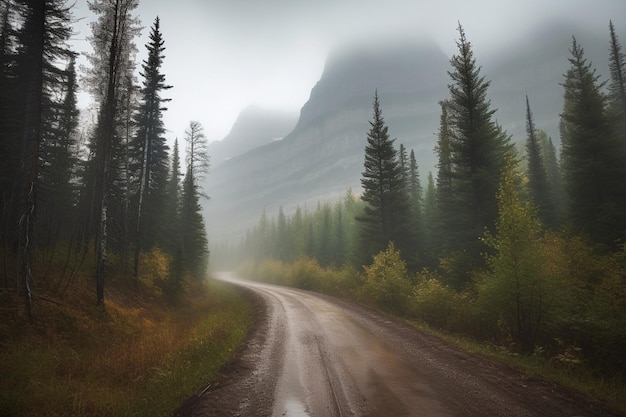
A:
(323, 155)
(254, 127)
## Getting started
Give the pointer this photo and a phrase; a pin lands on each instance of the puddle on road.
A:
(294, 408)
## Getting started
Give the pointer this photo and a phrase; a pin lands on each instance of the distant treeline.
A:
(519, 248)
(88, 201)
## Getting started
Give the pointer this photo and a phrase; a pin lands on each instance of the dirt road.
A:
(313, 355)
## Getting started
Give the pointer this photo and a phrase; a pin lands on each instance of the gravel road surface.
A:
(314, 355)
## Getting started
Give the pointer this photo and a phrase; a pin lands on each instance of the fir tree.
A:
(593, 170)
(617, 66)
(414, 189)
(429, 221)
(386, 214)
(538, 187)
(444, 222)
(150, 149)
(478, 150)
(41, 39)
(193, 234)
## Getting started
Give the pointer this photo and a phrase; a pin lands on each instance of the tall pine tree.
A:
(151, 149)
(478, 150)
(592, 166)
(193, 234)
(538, 186)
(386, 213)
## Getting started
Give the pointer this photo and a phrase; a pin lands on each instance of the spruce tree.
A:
(414, 190)
(444, 222)
(429, 221)
(193, 233)
(150, 149)
(617, 94)
(592, 166)
(41, 45)
(617, 66)
(538, 187)
(478, 150)
(171, 217)
(386, 213)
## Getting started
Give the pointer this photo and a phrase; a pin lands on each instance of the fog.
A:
(223, 55)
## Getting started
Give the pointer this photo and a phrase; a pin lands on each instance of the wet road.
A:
(318, 356)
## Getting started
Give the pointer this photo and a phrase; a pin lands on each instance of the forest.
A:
(101, 231)
(519, 246)
(513, 244)
(75, 201)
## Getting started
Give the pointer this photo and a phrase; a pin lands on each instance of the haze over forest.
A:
(461, 165)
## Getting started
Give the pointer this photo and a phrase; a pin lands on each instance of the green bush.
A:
(387, 283)
(306, 273)
(433, 302)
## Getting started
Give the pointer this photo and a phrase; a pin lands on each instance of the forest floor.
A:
(138, 356)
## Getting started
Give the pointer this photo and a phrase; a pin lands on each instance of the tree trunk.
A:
(31, 140)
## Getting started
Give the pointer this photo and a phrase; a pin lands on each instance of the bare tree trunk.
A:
(31, 141)
(106, 132)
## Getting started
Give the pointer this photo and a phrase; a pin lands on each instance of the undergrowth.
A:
(138, 356)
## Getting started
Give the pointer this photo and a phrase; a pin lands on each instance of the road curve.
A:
(314, 355)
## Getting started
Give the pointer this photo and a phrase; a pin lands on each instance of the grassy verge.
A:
(136, 357)
(609, 392)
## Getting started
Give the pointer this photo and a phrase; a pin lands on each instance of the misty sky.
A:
(223, 55)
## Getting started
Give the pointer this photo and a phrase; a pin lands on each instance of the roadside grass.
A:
(607, 391)
(137, 357)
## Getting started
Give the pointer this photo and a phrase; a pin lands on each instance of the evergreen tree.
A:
(151, 149)
(41, 44)
(444, 222)
(193, 234)
(172, 201)
(553, 174)
(386, 213)
(59, 158)
(617, 66)
(593, 170)
(478, 149)
(617, 93)
(171, 220)
(414, 185)
(414, 189)
(429, 221)
(10, 139)
(404, 165)
(538, 186)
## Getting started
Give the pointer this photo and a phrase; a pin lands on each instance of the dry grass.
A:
(136, 357)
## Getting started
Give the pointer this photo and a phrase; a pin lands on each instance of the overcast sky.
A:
(223, 55)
